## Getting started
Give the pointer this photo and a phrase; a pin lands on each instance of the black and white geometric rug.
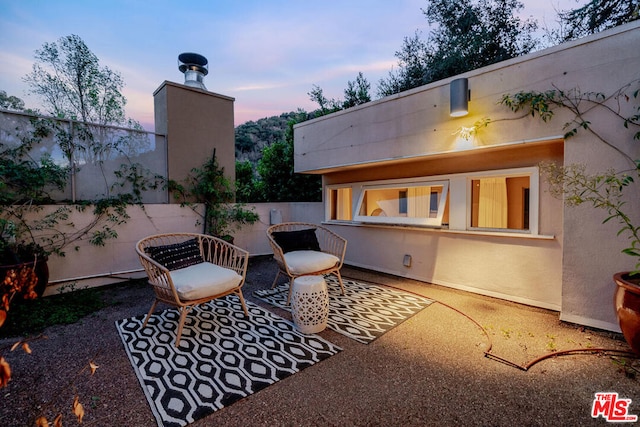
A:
(223, 357)
(365, 312)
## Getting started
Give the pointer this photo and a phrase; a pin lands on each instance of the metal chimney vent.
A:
(194, 67)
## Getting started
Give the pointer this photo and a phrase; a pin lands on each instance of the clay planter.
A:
(627, 305)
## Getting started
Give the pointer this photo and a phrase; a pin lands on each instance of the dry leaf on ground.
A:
(5, 372)
(78, 409)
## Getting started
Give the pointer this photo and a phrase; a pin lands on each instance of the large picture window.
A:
(421, 203)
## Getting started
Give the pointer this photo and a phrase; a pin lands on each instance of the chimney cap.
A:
(193, 61)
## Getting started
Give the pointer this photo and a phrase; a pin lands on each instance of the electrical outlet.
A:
(407, 260)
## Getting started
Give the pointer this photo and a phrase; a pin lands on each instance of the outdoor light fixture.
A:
(459, 97)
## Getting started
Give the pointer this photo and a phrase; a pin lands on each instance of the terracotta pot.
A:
(32, 274)
(627, 305)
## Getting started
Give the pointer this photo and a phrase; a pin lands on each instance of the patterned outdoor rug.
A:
(364, 313)
(223, 357)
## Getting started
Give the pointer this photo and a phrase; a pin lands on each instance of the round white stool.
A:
(310, 304)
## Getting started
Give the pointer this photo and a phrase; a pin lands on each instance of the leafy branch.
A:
(544, 104)
(208, 185)
(603, 190)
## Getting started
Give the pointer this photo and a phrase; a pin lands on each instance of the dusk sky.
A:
(267, 54)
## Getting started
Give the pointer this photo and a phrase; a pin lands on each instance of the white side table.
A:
(310, 304)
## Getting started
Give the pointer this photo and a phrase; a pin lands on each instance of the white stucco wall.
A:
(91, 265)
(116, 261)
(254, 237)
(521, 270)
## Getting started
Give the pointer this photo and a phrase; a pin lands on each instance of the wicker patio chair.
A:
(188, 269)
(303, 249)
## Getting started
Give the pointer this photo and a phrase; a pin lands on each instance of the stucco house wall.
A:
(568, 265)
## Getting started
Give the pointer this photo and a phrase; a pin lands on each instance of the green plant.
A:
(30, 232)
(551, 344)
(83, 100)
(604, 190)
(32, 317)
(26, 185)
(626, 367)
(209, 186)
(506, 332)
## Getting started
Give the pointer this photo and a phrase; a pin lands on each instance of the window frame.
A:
(458, 196)
(329, 198)
(534, 201)
(403, 220)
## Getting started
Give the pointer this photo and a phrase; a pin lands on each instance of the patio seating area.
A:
(429, 370)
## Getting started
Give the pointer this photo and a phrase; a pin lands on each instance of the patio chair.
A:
(188, 269)
(303, 249)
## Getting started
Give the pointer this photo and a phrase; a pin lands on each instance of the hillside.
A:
(251, 137)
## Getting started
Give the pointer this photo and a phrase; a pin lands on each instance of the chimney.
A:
(194, 67)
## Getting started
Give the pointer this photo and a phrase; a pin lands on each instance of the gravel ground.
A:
(430, 370)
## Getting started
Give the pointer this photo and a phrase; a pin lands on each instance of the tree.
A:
(73, 85)
(356, 93)
(279, 182)
(246, 184)
(468, 36)
(413, 68)
(251, 137)
(276, 169)
(596, 16)
(327, 106)
(10, 102)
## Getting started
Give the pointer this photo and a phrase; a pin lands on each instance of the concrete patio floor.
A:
(430, 370)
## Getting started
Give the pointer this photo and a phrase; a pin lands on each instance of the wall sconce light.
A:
(459, 97)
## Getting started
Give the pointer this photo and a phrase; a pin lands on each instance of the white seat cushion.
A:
(303, 262)
(203, 280)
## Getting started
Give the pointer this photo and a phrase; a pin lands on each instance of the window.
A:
(500, 202)
(403, 205)
(421, 203)
(340, 204)
(489, 201)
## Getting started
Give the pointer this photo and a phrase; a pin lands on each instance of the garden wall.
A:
(117, 261)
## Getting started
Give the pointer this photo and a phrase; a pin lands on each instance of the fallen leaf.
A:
(58, 421)
(3, 316)
(15, 345)
(5, 372)
(93, 367)
(42, 422)
(78, 409)
(26, 348)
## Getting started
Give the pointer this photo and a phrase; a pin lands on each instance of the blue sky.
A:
(267, 54)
